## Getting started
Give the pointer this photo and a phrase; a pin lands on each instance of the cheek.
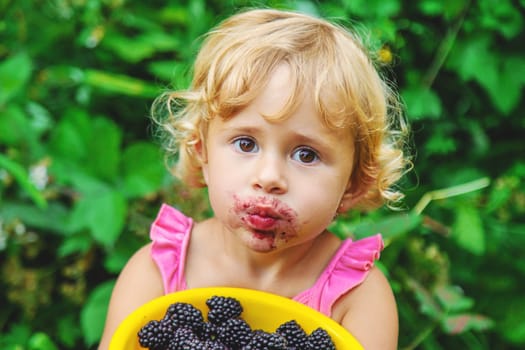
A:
(323, 197)
(212, 164)
(319, 200)
(221, 182)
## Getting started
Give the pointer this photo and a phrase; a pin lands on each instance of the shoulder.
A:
(369, 307)
(140, 280)
(140, 266)
(138, 283)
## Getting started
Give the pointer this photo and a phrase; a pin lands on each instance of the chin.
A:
(260, 243)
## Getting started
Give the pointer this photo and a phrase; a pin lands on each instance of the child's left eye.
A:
(305, 155)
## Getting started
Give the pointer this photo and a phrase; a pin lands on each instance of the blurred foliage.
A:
(81, 177)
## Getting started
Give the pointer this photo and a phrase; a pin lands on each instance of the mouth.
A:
(265, 216)
(262, 221)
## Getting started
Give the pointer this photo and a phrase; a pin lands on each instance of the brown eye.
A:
(245, 145)
(305, 155)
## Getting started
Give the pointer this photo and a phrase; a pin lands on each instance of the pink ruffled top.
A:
(170, 234)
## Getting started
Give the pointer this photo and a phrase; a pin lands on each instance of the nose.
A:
(269, 175)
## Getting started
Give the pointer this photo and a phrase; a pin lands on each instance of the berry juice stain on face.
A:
(266, 217)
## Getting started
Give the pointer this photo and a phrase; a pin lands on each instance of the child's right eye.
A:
(245, 145)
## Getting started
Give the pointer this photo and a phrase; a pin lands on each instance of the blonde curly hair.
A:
(233, 66)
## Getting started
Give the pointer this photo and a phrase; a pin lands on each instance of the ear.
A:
(202, 156)
(200, 151)
(351, 197)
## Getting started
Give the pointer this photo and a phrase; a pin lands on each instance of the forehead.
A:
(277, 97)
(325, 60)
(278, 110)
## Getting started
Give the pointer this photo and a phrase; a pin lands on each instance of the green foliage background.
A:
(81, 176)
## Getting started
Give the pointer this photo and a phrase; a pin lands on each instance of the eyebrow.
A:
(297, 136)
(242, 129)
(320, 143)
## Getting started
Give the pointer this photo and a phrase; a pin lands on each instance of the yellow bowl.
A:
(261, 310)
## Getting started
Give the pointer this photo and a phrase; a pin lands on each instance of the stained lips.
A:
(261, 222)
(265, 214)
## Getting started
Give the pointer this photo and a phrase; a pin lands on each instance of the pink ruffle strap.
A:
(170, 235)
(347, 269)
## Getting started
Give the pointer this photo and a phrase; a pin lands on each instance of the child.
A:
(288, 124)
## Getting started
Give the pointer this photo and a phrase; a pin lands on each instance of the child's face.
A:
(276, 184)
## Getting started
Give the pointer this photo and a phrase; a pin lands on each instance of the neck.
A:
(286, 271)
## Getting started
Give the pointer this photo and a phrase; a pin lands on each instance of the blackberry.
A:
(194, 344)
(214, 345)
(181, 336)
(319, 339)
(235, 333)
(209, 331)
(223, 308)
(155, 335)
(262, 340)
(184, 328)
(184, 315)
(294, 334)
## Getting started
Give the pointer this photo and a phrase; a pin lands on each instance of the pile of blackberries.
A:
(183, 328)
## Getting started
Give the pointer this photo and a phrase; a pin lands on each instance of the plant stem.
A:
(420, 337)
(450, 192)
(444, 49)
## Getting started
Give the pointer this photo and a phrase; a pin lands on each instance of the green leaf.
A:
(70, 138)
(41, 341)
(421, 103)
(53, 218)
(305, 6)
(501, 16)
(22, 178)
(480, 139)
(440, 143)
(456, 324)
(468, 229)
(431, 7)
(453, 299)
(14, 125)
(103, 212)
(41, 119)
(175, 73)
(63, 75)
(16, 338)
(502, 78)
(427, 303)
(72, 175)
(15, 72)
(121, 45)
(197, 9)
(512, 323)
(506, 93)
(500, 194)
(94, 312)
(373, 8)
(68, 335)
(143, 169)
(449, 9)
(78, 243)
(473, 59)
(161, 41)
(390, 227)
(66, 142)
(121, 84)
(104, 149)
(93, 144)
